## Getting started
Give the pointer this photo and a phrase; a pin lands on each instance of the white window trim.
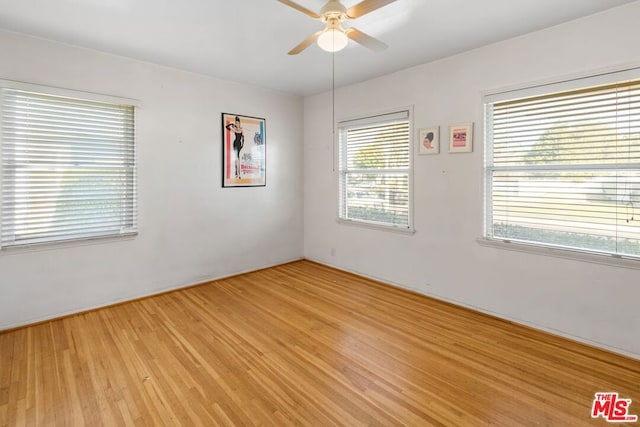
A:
(376, 226)
(629, 71)
(557, 252)
(82, 95)
(362, 119)
(68, 93)
(63, 244)
(562, 83)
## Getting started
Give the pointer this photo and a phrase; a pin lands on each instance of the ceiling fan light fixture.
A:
(333, 40)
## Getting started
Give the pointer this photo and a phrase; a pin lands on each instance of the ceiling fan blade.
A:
(365, 39)
(365, 7)
(299, 8)
(305, 43)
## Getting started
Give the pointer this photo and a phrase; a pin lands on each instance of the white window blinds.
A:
(375, 170)
(563, 169)
(68, 168)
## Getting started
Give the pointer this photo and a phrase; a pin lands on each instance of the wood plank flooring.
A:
(300, 344)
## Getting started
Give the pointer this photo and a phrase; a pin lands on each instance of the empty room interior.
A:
(355, 212)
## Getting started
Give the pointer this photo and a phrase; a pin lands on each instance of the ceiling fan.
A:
(334, 38)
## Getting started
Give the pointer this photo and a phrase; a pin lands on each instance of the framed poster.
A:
(429, 140)
(461, 138)
(243, 151)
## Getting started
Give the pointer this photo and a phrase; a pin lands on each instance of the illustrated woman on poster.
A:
(428, 140)
(238, 142)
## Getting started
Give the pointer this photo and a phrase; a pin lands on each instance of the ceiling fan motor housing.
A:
(333, 9)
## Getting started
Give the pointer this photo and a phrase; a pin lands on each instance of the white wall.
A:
(590, 302)
(190, 229)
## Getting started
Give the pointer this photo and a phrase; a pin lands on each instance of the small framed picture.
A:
(429, 140)
(461, 138)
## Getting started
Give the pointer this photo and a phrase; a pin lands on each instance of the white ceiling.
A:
(248, 40)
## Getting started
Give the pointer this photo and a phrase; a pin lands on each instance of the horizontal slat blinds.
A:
(375, 170)
(68, 168)
(564, 169)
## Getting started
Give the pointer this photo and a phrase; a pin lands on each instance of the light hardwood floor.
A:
(300, 344)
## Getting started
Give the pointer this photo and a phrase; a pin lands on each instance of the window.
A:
(375, 170)
(68, 167)
(563, 167)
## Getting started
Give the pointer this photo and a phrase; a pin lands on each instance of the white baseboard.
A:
(485, 311)
(162, 290)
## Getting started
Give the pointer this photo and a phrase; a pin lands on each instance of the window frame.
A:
(372, 119)
(575, 82)
(82, 96)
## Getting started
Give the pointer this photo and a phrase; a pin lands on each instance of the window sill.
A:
(65, 244)
(575, 255)
(409, 231)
